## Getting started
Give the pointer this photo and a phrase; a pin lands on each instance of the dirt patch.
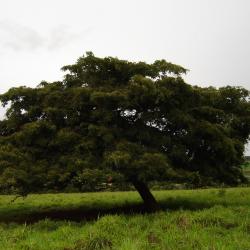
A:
(153, 239)
(217, 222)
(183, 222)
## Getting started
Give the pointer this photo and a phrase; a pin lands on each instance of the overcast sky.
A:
(209, 37)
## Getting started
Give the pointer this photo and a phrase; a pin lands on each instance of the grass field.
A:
(190, 219)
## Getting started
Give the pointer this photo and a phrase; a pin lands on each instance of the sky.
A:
(209, 37)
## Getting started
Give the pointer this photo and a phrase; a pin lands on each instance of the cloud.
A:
(18, 37)
(62, 36)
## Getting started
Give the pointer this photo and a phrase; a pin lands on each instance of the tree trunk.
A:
(149, 201)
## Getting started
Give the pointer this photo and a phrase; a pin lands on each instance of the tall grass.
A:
(190, 219)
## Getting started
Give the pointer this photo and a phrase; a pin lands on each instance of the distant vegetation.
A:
(247, 158)
(246, 167)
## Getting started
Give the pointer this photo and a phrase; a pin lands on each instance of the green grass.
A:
(191, 219)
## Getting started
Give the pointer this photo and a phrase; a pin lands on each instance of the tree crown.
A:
(139, 120)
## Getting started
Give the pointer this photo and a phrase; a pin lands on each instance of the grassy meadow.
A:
(190, 219)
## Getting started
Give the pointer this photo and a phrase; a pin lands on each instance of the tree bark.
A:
(150, 203)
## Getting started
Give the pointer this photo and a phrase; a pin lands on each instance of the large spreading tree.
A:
(136, 120)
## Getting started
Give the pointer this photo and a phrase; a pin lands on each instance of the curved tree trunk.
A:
(149, 200)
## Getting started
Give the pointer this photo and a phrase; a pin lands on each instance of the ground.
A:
(190, 219)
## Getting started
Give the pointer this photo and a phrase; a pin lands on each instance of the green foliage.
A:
(113, 117)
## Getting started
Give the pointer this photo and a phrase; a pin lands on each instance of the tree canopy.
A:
(133, 120)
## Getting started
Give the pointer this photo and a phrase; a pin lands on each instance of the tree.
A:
(137, 120)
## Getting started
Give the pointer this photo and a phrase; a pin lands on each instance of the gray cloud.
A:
(62, 35)
(18, 37)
